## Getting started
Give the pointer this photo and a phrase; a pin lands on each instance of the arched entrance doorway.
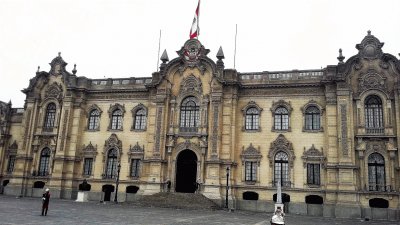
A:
(186, 170)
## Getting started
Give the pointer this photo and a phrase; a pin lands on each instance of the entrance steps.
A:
(178, 200)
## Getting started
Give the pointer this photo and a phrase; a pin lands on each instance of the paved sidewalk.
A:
(24, 211)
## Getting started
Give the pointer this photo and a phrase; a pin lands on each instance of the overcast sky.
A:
(120, 38)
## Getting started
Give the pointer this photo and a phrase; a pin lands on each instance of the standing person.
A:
(278, 217)
(45, 202)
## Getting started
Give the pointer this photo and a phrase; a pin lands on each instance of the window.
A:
(94, 120)
(281, 119)
(312, 116)
(281, 169)
(44, 162)
(87, 166)
(112, 161)
(252, 118)
(135, 164)
(373, 114)
(11, 162)
(140, 120)
(376, 172)
(49, 120)
(313, 174)
(189, 114)
(251, 171)
(116, 120)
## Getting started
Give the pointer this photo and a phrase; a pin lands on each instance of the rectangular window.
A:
(135, 166)
(87, 166)
(313, 174)
(11, 162)
(251, 171)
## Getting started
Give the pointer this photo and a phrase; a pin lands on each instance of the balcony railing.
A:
(375, 130)
(379, 188)
(188, 129)
(108, 176)
(284, 184)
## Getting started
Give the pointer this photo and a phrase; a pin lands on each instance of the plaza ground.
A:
(23, 211)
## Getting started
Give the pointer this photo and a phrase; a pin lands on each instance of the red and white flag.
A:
(194, 30)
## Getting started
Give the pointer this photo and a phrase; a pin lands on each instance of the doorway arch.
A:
(186, 171)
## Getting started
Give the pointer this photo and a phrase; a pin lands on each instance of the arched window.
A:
(44, 162)
(281, 169)
(252, 118)
(94, 120)
(281, 119)
(313, 118)
(50, 117)
(189, 114)
(376, 172)
(112, 161)
(373, 114)
(140, 119)
(116, 120)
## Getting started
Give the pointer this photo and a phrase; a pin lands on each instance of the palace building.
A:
(329, 137)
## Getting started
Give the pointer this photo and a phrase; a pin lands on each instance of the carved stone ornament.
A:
(251, 104)
(58, 65)
(113, 143)
(187, 144)
(12, 149)
(281, 144)
(91, 108)
(281, 103)
(376, 145)
(191, 53)
(370, 47)
(136, 152)
(54, 91)
(191, 85)
(251, 154)
(313, 155)
(89, 150)
(371, 80)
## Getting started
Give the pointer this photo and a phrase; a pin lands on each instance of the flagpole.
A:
(234, 54)
(158, 54)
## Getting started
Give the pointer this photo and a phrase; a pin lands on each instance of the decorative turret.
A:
(370, 47)
(164, 58)
(220, 57)
(58, 65)
(340, 57)
(74, 70)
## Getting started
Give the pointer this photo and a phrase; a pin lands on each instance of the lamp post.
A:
(117, 183)
(227, 187)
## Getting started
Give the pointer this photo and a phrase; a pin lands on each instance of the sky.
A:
(120, 38)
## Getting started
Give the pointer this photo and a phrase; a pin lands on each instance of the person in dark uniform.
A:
(45, 202)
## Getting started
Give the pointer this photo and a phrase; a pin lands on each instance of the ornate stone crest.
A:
(372, 80)
(313, 155)
(370, 47)
(54, 91)
(191, 53)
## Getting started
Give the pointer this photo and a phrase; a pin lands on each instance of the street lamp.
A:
(227, 187)
(117, 183)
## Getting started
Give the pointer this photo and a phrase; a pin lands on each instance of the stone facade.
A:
(330, 136)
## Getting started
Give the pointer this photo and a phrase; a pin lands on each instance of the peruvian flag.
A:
(194, 30)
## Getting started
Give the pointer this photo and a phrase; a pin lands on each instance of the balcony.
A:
(108, 176)
(188, 129)
(379, 188)
(284, 184)
(375, 130)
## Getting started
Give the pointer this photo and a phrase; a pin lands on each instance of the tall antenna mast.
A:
(158, 55)
(234, 54)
